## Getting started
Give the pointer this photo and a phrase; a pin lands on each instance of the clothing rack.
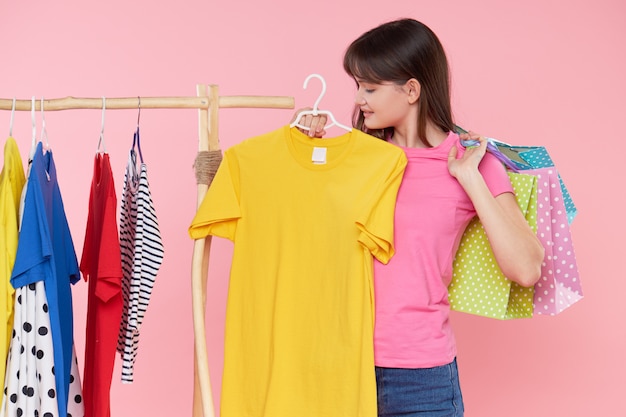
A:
(208, 102)
(200, 102)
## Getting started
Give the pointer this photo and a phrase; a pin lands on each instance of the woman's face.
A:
(383, 104)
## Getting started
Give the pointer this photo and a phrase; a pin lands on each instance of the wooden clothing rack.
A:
(208, 102)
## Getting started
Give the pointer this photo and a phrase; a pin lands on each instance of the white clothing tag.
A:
(319, 156)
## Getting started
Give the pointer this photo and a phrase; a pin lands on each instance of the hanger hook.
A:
(316, 110)
(319, 98)
(33, 144)
(136, 134)
(33, 120)
(101, 141)
(44, 132)
(138, 110)
(12, 117)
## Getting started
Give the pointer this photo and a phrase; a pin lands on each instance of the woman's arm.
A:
(517, 249)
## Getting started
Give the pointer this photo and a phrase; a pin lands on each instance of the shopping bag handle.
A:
(492, 148)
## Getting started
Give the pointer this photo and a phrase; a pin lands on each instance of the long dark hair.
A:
(396, 52)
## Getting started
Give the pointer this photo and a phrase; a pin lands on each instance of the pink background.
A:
(543, 72)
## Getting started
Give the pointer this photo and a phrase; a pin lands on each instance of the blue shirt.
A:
(45, 252)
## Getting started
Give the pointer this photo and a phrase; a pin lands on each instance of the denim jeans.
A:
(427, 392)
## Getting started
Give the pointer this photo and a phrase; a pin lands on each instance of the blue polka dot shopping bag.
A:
(524, 158)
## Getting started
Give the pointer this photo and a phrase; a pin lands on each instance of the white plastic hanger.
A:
(316, 111)
(33, 144)
(44, 132)
(136, 141)
(12, 117)
(101, 141)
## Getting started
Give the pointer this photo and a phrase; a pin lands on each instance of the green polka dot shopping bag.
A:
(478, 285)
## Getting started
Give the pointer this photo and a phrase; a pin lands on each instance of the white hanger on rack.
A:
(316, 111)
(136, 141)
(33, 145)
(12, 117)
(101, 141)
(44, 131)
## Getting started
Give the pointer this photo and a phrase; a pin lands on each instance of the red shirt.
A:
(101, 266)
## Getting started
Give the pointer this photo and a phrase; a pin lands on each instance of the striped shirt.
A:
(142, 255)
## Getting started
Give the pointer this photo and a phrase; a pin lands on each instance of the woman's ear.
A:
(413, 89)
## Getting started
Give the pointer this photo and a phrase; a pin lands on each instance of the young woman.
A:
(403, 97)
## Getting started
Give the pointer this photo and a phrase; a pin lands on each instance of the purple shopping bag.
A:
(559, 286)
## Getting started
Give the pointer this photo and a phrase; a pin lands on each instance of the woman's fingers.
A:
(317, 125)
(309, 124)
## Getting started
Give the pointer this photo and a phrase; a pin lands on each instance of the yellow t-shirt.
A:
(299, 322)
(12, 180)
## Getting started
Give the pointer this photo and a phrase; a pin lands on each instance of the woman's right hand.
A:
(460, 168)
(314, 123)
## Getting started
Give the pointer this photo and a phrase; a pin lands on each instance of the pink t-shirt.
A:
(432, 211)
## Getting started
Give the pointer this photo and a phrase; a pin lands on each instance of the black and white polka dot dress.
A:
(30, 384)
(29, 387)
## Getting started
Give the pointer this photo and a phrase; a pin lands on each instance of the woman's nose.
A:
(358, 98)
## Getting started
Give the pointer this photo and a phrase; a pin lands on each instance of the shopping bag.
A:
(522, 158)
(478, 285)
(531, 157)
(559, 286)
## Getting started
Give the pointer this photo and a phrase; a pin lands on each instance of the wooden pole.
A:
(69, 103)
(202, 394)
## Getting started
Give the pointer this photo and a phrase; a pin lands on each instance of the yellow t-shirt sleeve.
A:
(219, 211)
(376, 224)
